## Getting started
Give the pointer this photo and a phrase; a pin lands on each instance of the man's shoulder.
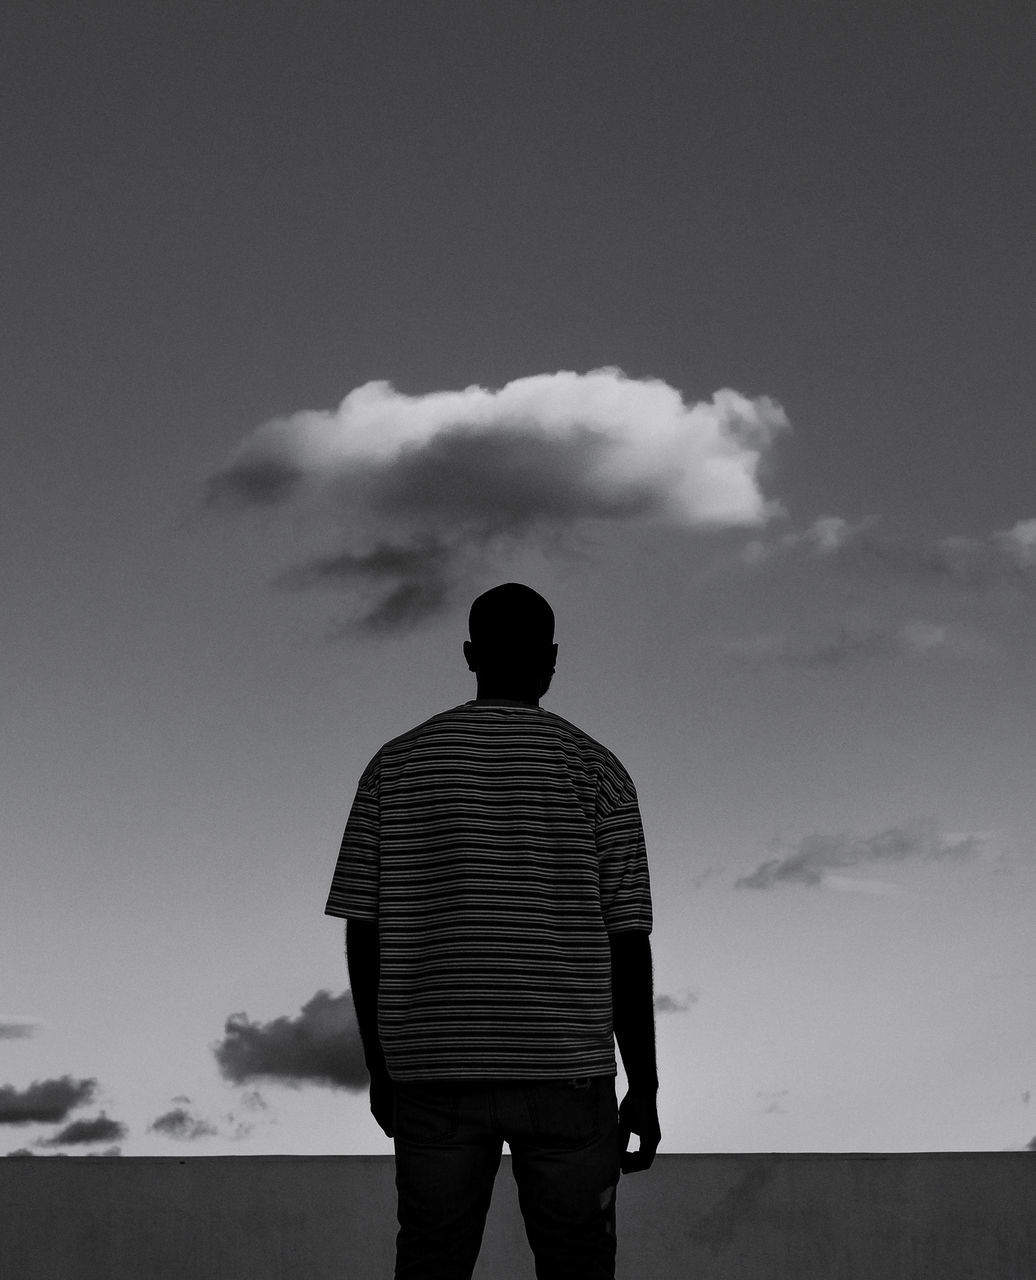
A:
(613, 778)
(441, 719)
(400, 744)
(581, 738)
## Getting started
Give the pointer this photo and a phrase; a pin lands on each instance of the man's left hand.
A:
(638, 1113)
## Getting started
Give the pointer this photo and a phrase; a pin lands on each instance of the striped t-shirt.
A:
(497, 846)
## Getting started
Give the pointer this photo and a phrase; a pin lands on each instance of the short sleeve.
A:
(354, 885)
(622, 855)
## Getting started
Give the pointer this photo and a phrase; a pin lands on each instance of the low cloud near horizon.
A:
(815, 857)
(83, 1132)
(15, 1028)
(44, 1101)
(182, 1124)
(424, 489)
(321, 1045)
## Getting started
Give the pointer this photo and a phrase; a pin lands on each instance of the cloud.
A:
(13, 1028)
(320, 1046)
(826, 536)
(83, 1132)
(773, 1100)
(679, 1003)
(252, 1100)
(1003, 557)
(180, 1123)
(816, 855)
(45, 1101)
(851, 640)
(424, 489)
(1018, 544)
(184, 1125)
(110, 1151)
(855, 884)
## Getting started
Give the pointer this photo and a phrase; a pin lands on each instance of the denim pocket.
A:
(424, 1114)
(566, 1115)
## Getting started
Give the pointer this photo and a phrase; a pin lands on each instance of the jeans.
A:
(563, 1136)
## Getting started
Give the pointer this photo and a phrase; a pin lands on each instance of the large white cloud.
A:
(420, 486)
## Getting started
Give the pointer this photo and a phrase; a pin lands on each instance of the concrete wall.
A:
(704, 1217)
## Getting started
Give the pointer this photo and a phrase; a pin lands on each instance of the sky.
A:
(714, 324)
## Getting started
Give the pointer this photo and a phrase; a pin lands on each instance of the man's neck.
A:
(498, 695)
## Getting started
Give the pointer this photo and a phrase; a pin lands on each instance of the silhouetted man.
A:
(494, 879)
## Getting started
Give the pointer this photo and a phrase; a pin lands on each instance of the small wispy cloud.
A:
(15, 1028)
(44, 1101)
(1003, 557)
(238, 1127)
(424, 489)
(813, 859)
(181, 1124)
(679, 1003)
(859, 884)
(854, 639)
(321, 1045)
(826, 536)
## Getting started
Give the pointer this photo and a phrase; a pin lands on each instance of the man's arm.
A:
(633, 1008)
(361, 950)
(633, 1017)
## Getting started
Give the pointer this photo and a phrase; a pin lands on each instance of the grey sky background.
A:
(225, 216)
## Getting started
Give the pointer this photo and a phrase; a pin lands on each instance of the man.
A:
(494, 880)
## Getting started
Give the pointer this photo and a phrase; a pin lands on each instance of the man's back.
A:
(497, 846)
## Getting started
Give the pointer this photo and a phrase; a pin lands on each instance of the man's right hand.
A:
(383, 1096)
(638, 1113)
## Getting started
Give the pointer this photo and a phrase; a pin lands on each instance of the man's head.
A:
(511, 647)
